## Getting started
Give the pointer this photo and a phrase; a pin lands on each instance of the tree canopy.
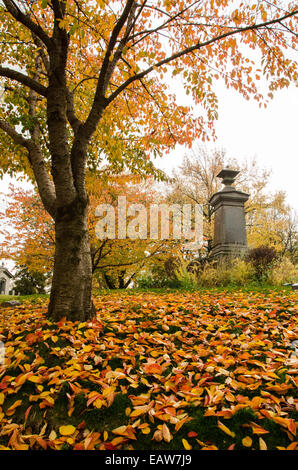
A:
(116, 58)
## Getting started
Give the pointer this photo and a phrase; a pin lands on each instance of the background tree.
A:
(79, 73)
(28, 282)
(29, 232)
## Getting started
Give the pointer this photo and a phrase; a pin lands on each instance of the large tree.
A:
(86, 77)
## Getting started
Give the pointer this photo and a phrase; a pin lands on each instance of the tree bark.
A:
(71, 293)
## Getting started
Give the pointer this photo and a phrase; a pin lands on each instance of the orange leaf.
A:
(192, 434)
(247, 441)
(153, 368)
(256, 429)
(27, 412)
(292, 426)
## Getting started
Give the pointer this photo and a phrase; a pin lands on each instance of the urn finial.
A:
(228, 176)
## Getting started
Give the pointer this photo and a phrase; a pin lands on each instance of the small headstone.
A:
(10, 303)
(295, 286)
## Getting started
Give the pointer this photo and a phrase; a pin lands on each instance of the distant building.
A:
(6, 281)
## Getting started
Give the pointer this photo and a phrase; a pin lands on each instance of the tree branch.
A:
(37, 163)
(24, 79)
(18, 138)
(15, 11)
(196, 46)
(100, 102)
(71, 116)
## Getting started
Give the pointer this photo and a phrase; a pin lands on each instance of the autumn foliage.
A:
(174, 371)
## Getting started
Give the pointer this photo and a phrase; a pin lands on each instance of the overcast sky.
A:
(246, 131)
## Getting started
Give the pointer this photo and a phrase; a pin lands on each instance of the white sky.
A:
(245, 131)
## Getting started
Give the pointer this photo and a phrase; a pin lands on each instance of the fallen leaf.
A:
(67, 430)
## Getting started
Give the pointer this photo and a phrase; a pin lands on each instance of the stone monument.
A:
(229, 218)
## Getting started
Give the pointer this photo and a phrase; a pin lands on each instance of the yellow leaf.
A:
(262, 444)
(52, 435)
(11, 410)
(107, 391)
(97, 403)
(119, 430)
(1, 398)
(141, 409)
(166, 433)
(35, 379)
(181, 422)
(137, 412)
(247, 441)
(186, 444)
(146, 430)
(67, 430)
(225, 429)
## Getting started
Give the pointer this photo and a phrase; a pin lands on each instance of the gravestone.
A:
(229, 218)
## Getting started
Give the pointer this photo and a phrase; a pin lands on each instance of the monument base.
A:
(227, 250)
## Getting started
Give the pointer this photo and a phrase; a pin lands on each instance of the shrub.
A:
(209, 275)
(228, 271)
(186, 278)
(283, 271)
(262, 259)
(241, 272)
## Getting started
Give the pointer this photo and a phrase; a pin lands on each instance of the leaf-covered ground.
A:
(173, 371)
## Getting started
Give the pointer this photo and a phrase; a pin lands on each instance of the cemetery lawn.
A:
(154, 371)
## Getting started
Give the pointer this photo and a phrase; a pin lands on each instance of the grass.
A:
(253, 287)
(21, 298)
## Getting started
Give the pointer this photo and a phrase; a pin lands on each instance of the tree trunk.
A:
(71, 293)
